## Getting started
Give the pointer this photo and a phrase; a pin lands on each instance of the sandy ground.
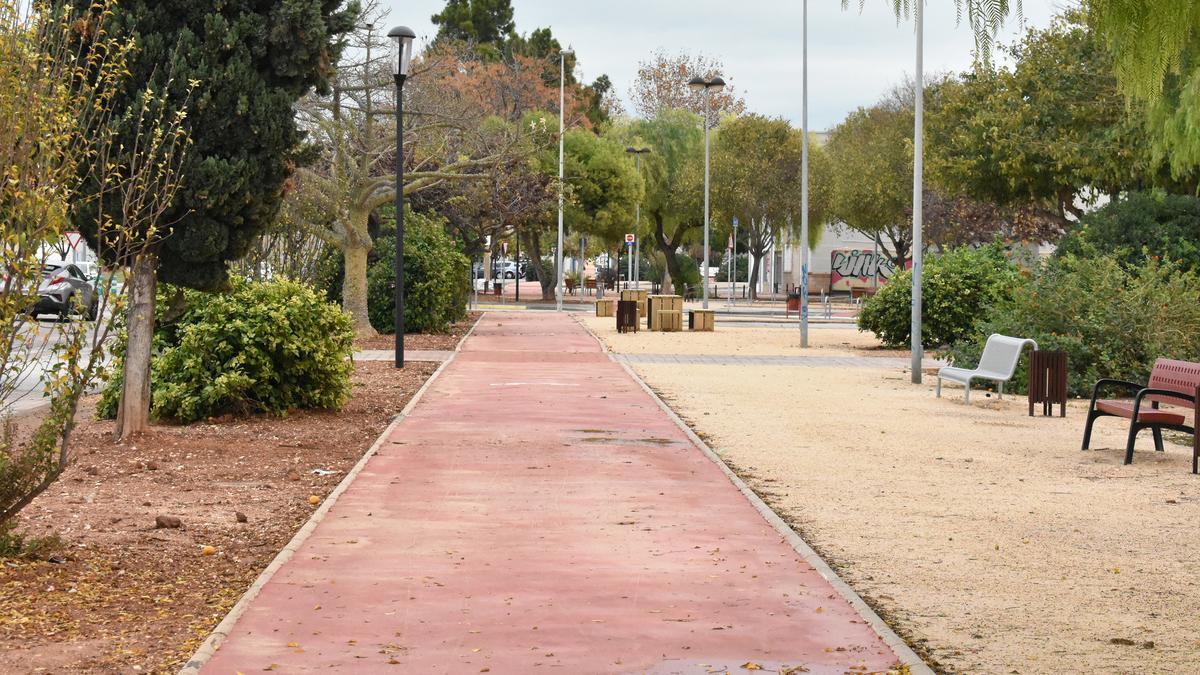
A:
(782, 340)
(983, 535)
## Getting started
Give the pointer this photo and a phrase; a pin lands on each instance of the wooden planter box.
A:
(657, 303)
(670, 321)
(606, 308)
(637, 296)
(703, 320)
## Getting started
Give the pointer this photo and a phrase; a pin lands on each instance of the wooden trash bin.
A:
(606, 307)
(702, 320)
(670, 321)
(638, 297)
(1048, 381)
(627, 318)
(658, 303)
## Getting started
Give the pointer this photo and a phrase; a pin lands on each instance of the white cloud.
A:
(853, 57)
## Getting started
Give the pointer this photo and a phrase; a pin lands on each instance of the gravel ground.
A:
(983, 535)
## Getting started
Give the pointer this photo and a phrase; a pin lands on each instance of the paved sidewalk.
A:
(583, 533)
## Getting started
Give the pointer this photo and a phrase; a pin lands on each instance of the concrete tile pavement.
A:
(583, 533)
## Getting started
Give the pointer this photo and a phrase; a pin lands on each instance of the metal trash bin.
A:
(1048, 381)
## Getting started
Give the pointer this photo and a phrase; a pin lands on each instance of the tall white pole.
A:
(804, 182)
(704, 270)
(562, 81)
(918, 202)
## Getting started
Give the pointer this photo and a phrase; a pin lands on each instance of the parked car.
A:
(65, 289)
(511, 270)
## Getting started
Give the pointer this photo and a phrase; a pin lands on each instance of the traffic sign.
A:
(629, 238)
(735, 221)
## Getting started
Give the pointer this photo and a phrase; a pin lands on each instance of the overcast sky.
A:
(853, 57)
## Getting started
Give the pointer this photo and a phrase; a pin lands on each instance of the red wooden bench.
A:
(1172, 382)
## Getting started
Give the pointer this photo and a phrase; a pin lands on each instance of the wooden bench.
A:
(606, 307)
(1172, 382)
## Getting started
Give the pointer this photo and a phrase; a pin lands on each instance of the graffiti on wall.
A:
(855, 268)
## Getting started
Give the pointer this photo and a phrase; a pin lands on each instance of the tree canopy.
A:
(248, 62)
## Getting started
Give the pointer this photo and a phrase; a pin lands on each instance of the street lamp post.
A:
(804, 186)
(562, 101)
(403, 37)
(637, 245)
(715, 84)
(918, 204)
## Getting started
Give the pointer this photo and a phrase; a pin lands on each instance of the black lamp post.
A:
(403, 36)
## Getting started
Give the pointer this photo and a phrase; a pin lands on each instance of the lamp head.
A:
(716, 84)
(403, 36)
(697, 83)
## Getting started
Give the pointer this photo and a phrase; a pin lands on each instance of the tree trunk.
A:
(668, 249)
(354, 288)
(533, 242)
(754, 272)
(133, 411)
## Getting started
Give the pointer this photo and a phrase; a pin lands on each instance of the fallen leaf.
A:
(750, 665)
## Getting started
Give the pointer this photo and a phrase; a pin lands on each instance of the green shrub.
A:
(436, 279)
(1138, 226)
(741, 267)
(1113, 320)
(958, 289)
(263, 348)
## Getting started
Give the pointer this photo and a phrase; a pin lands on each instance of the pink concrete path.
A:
(538, 512)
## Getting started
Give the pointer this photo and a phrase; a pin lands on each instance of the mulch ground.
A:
(123, 595)
(443, 342)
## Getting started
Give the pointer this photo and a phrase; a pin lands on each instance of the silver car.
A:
(65, 289)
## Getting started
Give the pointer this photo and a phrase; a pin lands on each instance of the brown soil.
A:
(442, 342)
(123, 596)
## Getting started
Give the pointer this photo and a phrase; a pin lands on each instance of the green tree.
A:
(243, 64)
(1053, 129)
(871, 157)
(604, 188)
(1137, 226)
(673, 173)
(1156, 47)
(478, 21)
(756, 177)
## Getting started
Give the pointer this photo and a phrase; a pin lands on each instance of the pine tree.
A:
(238, 67)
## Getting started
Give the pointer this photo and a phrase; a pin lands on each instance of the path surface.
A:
(582, 534)
(808, 361)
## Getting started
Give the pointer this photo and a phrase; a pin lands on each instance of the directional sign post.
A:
(630, 240)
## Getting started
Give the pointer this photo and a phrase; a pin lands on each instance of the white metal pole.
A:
(704, 271)
(918, 202)
(804, 182)
(562, 80)
(629, 264)
(735, 260)
(732, 265)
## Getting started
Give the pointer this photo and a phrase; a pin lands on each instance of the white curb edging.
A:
(222, 630)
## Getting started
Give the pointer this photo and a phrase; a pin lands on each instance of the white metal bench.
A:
(997, 363)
